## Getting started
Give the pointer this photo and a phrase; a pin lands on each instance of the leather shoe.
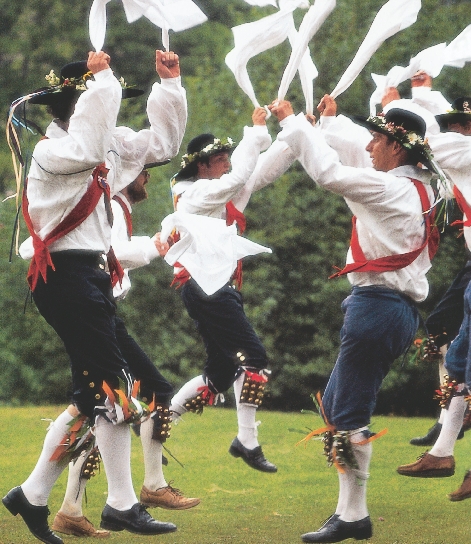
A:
(254, 458)
(77, 526)
(464, 491)
(430, 438)
(429, 466)
(336, 530)
(35, 517)
(135, 520)
(167, 497)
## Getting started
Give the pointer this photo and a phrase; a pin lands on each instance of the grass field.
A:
(242, 506)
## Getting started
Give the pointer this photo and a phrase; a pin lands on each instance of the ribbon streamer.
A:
(300, 57)
(176, 15)
(394, 16)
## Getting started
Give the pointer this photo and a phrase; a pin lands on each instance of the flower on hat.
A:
(407, 138)
(57, 83)
(218, 145)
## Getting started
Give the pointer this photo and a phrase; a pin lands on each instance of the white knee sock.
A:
(452, 423)
(343, 493)
(188, 391)
(152, 449)
(72, 503)
(355, 507)
(114, 443)
(38, 485)
(246, 413)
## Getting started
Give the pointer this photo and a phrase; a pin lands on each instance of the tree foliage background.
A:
(291, 303)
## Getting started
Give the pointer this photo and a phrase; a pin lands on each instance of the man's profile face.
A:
(219, 164)
(379, 149)
(137, 190)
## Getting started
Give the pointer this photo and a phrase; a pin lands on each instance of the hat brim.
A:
(451, 118)
(155, 164)
(421, 156)
(49, 98)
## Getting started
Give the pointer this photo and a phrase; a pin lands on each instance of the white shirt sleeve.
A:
(206, 195)
(89, 134)
(134, 253)
(167, 113)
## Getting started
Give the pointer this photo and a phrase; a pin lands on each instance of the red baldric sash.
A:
(463, 206)
(234, 215)
(42, 258)
(394, 262)
(127, 214)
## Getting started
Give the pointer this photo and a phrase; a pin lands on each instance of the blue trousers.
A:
(458, 357)
(226, 332)
(379, 326)
(445, 320)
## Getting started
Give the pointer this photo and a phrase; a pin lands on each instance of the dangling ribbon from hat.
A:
(300, 57)
(394, 16)
(250, 39)
(176, 15)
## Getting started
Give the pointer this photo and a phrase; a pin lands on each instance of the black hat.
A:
(200, 147)
(405, 127)
(68, 86)
(460, 113)
(155, 164)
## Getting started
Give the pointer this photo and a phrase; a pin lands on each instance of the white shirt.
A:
(210, 196)
(209, 249)
(61, 166)
(134, 253)
(386, 204)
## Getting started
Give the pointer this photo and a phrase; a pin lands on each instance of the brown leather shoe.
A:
(167, 497)
(429, 466)
(464, 491)
(77, 526)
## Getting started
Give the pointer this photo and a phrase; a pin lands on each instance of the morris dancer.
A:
(83, 159)
(132, 252)
(453, 149)
(386, 264)
(235, 355)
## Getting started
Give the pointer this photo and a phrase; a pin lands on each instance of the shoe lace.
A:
(422, 455)
(174, 490)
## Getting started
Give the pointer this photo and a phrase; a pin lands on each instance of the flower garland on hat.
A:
(407, 138)
(219, 145)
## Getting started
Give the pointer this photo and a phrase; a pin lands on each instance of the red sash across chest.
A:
(394, 262)
(42, 259)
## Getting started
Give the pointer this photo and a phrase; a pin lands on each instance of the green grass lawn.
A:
(242, 506)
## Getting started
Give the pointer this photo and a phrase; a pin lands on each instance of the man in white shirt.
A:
(205, 187)
(452, 148)
(387, 264)
(84, 160)
(132, 252)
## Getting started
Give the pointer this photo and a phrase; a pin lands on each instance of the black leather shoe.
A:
(254, 458)
(35, 517)
(430, 438)
(136, 520)
(336, 530)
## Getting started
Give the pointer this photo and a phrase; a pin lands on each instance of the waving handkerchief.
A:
(176, 15)
(208, 248)
(458, 52)
(250, 39)
(300, 57)
(430, 60)
(394, 16)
